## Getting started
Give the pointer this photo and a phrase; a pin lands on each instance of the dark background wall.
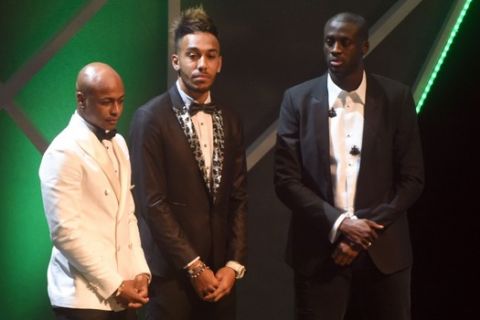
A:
(445, 223)
(267, 46)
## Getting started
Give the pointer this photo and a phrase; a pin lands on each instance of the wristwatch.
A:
(238, 268)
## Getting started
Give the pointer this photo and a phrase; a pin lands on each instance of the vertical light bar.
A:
(439, 53)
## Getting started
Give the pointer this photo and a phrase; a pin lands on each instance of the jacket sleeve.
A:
(237, 243)
(289, 179)
(61, 176)
(151, 190)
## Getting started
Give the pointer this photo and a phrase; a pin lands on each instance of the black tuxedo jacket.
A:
(178, 219)
(389, 181)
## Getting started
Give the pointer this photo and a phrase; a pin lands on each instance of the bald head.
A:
(94, 75)
(100, 95)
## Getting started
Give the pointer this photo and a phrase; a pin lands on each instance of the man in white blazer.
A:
(97, 269)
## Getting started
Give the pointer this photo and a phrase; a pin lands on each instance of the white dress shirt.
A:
(203, 124)
(346, 131)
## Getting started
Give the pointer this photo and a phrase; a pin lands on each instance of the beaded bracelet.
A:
(195, 272)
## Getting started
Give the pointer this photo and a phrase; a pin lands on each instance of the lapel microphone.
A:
(354, 151)
(332, 113)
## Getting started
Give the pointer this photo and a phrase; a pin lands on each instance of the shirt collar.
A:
(334, 91)
(187, 100)
(90, 126)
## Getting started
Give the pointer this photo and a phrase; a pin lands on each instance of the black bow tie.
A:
(209, 108)
(104, 134)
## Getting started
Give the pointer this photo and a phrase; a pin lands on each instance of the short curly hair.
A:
(190, 21)
(354, 18)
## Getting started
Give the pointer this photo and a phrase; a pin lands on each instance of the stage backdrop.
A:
(268, 46)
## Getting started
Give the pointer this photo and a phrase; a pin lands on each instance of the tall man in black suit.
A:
(188, 161)
(348, 163)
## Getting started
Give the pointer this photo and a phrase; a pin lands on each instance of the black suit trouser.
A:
(92, 314)
(175, 299)
(356, 292)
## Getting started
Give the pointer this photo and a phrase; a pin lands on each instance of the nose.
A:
(336, 47)
(116, 108)
(202, 63)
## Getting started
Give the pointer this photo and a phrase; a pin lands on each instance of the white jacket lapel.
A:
(90, 144)
(124, 167)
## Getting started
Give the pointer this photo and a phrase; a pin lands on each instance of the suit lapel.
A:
(124, 168)
(185, 121)
(372, 116)
(186, 124)
(322, 131)
(218, 149)
(372, 120)
(90, 144)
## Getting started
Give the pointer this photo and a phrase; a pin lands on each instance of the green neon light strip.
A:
(442, 56)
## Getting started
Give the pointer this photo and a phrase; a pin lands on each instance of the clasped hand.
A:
(213, 287)
(358, 234)
(133, 293)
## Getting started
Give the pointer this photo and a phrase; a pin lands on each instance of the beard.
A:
(190, 86)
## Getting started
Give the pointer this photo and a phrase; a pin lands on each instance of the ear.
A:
(80, 99)
(219, 64)
(175, 62)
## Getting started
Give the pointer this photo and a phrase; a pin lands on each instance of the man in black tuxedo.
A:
(189, 168)
(348, 163)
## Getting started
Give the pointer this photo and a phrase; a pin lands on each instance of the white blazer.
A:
(90, 214)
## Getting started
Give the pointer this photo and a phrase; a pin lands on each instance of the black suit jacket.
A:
(177, 217)
(389, 181)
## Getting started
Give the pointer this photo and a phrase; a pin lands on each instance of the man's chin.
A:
(109, 127)
(336, 69)
(201, 89)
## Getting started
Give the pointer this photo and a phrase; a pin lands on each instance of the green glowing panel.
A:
(443, 54)
(129, 35)
(25, 26)
(24, 241)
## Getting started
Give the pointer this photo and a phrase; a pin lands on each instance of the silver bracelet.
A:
(195, 272)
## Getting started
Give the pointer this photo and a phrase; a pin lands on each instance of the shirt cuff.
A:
(147, 275)
(237, 267)
(191, 262)
(334, 234)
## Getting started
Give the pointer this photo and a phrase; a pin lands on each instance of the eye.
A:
(192, 55)
(212, 55)
(346, 42)
(106, 102)
(329, 42)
